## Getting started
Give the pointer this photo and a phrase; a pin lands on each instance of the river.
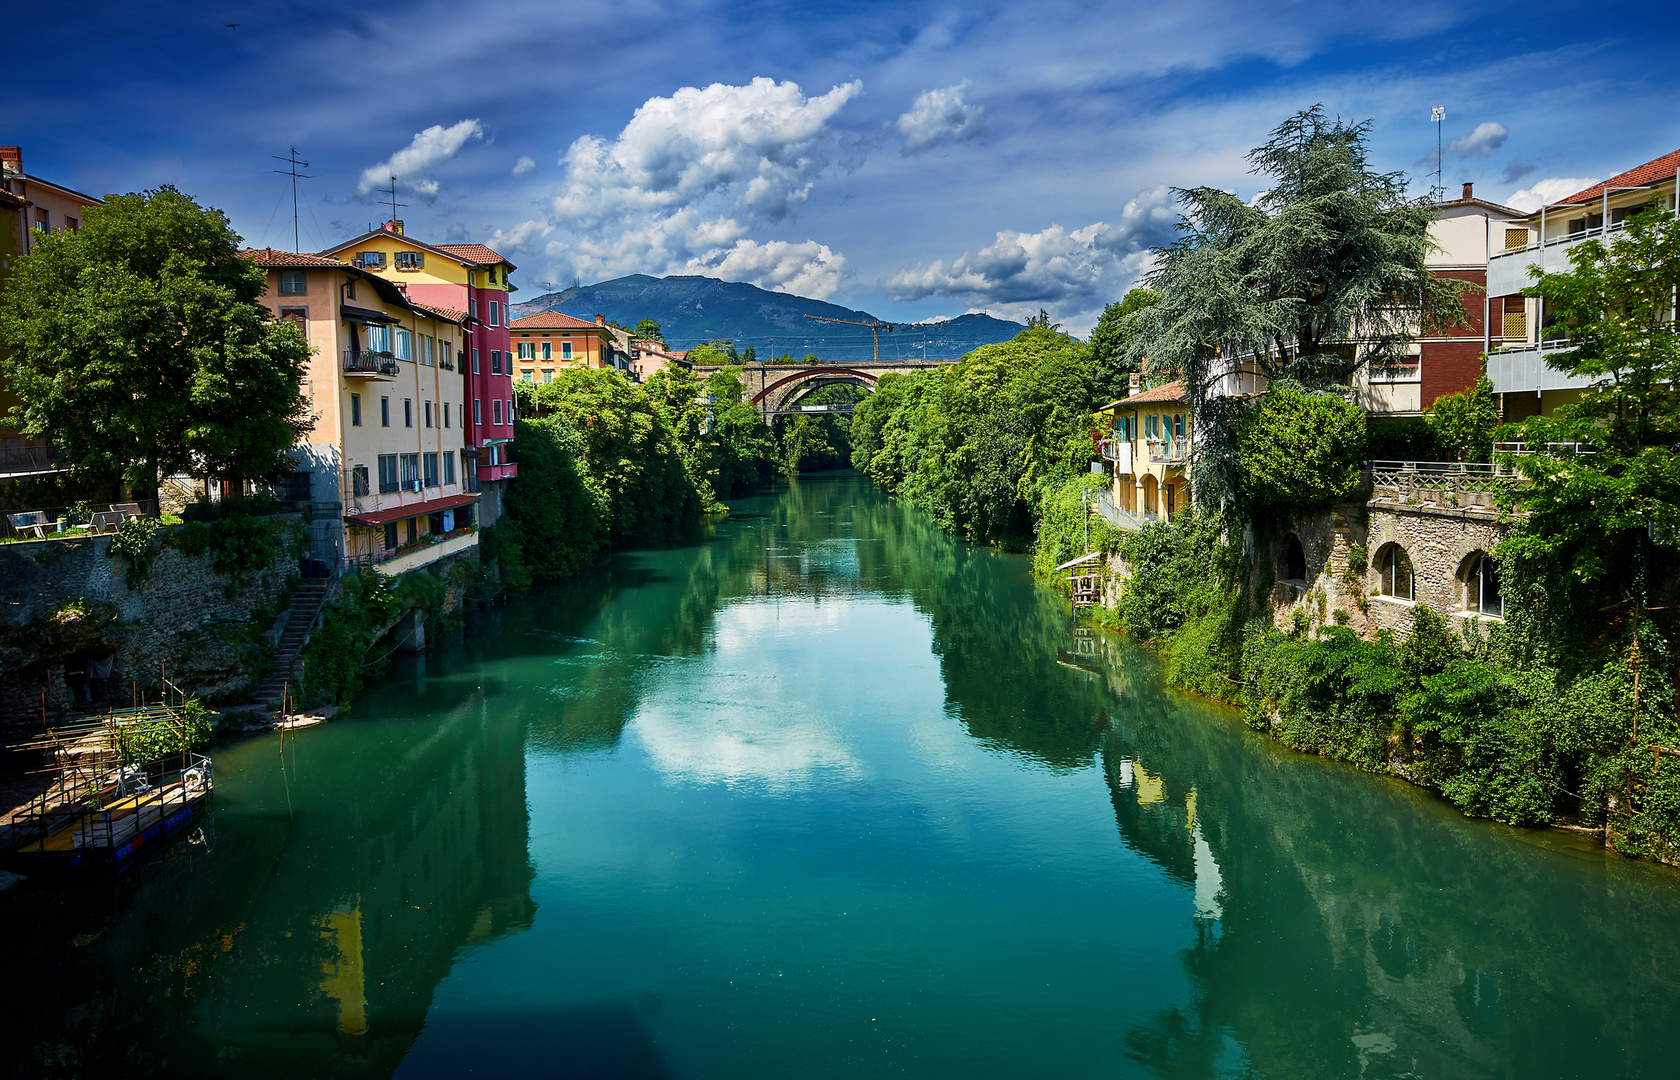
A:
(827, 793)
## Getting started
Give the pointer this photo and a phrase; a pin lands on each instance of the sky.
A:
(914, 159)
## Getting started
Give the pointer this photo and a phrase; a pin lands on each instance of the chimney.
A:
(1136, 384)
(393, 226)
(1467, 186)
(600, 320)
(11, 159)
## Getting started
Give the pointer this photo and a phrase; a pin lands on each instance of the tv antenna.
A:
(392, 191)
(295, 162)
(874, 328)
(1438, 114)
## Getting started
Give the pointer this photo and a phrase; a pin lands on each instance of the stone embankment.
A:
(75, 633)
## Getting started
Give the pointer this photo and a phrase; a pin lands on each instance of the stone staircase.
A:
(307, 601)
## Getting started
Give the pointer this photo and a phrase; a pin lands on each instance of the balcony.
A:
(1169, 451)
(1507, 272)
(1119, 451)
(1523, 369)
(21, 457)
(369, 365)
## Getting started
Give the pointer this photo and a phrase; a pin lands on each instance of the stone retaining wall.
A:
(65, 602)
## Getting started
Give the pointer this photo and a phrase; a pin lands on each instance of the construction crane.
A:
(874, 328)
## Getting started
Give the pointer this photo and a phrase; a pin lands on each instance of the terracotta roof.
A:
(448, 314)
(1173, 391)
(552, 320)
(400, 513)
(269, 257)
(474, 253)
(1649, 173)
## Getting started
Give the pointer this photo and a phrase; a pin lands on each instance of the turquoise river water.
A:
(827, 793)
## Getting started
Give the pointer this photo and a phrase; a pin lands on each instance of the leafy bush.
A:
(1300, 449)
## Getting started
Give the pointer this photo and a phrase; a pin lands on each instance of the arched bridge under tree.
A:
(773, 388)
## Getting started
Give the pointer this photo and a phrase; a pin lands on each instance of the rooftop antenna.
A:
(1438, 114)
(392, 191)
(295, 162)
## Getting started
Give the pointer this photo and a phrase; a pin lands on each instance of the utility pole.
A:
(295, 162)
(1438, 114)
(874, 328)
(394, 203)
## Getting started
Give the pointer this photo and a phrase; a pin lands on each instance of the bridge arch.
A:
(783, 391)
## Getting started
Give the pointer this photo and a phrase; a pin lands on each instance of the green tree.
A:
(749, 355)
(648, 330)
(708, 355)
(1110, 340)
(138, 345)
(1464, 422)
(1299, 449)
(1322, 272)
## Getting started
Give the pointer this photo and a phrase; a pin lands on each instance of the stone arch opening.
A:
(1294, 559)
(1395, 575)
(1481, 589)
(1151, 496)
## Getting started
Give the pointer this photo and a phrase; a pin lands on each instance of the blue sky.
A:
(915, 159)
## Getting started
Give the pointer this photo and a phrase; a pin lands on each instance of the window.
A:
(41, 218)
(446, 414)
(448, 467)
(428, 414)
(72, 224)
(475, 361)
(495, 361)
(478, 412)
(408, 412)
(428, 352)
(349, 290)
(358, 481)
(410, 471)
(410, 260)
(1516, 239)
(293, 283)
(1151, 426)
(413, 529)
(378, 339)
(298, 316)
(369, 260)
(384, 412)
(355, 410)
(472, 305)
(527, 375)
(1484, 594)
(387, 473)
(496, 410)
(391, 536)
(548, 374)
(510, 410)
(566, 352)
(431, 467)
(495, 313)
(1402, 369)
(1395, 569)
(547, 351)
(527, 351)
(402, 344)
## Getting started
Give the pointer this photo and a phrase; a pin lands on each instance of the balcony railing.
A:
(1392, 373)
(30, 459)
(372, 365)
(1169, 451)
(1448, 484)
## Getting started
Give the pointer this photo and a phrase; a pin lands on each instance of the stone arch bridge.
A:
(775, 389)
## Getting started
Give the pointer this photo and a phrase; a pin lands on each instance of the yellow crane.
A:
(874, 329)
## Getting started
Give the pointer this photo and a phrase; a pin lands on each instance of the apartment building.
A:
(1148, 449)
(1465, 231)
(1517, 365)
(473, 280)
(29, 208)
(388, 405)
(550, 341)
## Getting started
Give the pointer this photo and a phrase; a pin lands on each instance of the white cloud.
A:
(1481, 143)
(1075, 269)
(1546, 191)
(412, 164)
(940, 116)
(691, 176)
(523, 165)
(520, 237)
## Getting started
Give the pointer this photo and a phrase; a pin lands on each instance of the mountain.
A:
(690, 310)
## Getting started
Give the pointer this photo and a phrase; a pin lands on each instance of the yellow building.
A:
(549, 341)
(387, 405)
(1148, 447)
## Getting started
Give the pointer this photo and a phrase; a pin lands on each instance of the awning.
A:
(366, 315)
(376, 518)
(1093, 556)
